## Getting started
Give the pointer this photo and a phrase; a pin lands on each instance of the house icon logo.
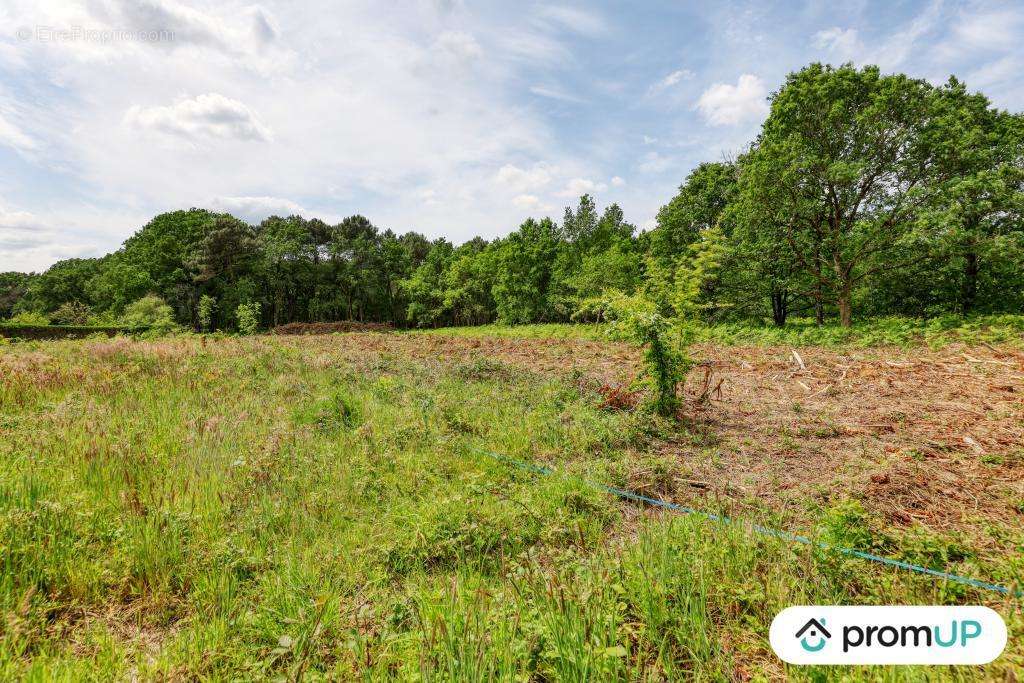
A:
(815, 631)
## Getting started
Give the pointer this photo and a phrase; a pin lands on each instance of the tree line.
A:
(863, 194)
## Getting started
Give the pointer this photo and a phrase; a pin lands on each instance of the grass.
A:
(289, 508)
(890, 331)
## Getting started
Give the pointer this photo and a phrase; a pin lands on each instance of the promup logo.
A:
(888, 635)
(814, 629)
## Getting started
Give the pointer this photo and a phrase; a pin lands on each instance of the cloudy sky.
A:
(450, 117)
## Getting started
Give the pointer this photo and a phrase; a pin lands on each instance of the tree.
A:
(118, 283)
(63, 282)
(150, 312)
(525, 260)
(226, 265)
(982, 201)
(588, 244)
(207, 306)
(684, 226)
(287, 247)
(13, 288)
(72, 313)
(847, 157)
(468, 284)
(698, 205)
(248, 315)
(425, 287)
(164, 249)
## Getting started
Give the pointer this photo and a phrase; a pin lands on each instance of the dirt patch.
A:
(919, 436)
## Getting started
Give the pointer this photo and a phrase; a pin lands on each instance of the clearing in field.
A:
(318, 507)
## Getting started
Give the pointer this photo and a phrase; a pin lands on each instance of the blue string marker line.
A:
(763, 530)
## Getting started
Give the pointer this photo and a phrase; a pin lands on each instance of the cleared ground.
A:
(316, 507)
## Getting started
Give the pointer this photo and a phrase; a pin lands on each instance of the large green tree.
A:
(846, 160)
(13, 287)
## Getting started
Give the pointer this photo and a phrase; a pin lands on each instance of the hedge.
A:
(63, 331)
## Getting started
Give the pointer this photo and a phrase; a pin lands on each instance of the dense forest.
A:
(863, 194)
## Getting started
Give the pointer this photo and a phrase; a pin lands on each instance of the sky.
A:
(450, 117)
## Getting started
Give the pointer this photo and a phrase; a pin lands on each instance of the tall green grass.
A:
(262, 508)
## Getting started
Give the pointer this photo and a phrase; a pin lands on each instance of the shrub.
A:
(637, 318)
(150, 311)
(248, 318)
(29, 318)
(206, 306)
(72, 313)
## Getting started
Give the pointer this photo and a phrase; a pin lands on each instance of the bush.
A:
(29, 318)
(150, 311)
(248, 318)
(636, 318)
(206, 306)
(72, 313)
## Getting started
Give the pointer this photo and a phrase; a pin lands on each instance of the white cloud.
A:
(13, 137)
(726, 105)
(372, 111)
(211, 115)
(673, 79)
(264, 26)
(255, 209)
(654, 163)
(519, 179)
(461, 46)
(989, 30)
(580, 186)
(31, 243)
(526, 201)
(894, 51)
(555, 93)
(533, 48)
(19, 229)
(617, 181)
(843, 43)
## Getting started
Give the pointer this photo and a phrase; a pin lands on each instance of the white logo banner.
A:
(887, 635)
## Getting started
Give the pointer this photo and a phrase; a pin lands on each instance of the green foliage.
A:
(72, 313)
(872, 332)
(525, 261)
(150, 311)
(13, 287)
(697, 277)
(364, 539)
(29, 318)
(339, 411)
(708, 190)
(207, 305)
(248, 315)
(637, 318)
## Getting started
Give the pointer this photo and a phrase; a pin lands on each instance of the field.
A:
(329, 507)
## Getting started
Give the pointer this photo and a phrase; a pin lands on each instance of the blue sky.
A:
(451, 118)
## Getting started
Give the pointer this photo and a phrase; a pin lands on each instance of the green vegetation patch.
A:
(257, 509)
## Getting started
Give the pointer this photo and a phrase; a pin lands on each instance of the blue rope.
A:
(766, 531)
